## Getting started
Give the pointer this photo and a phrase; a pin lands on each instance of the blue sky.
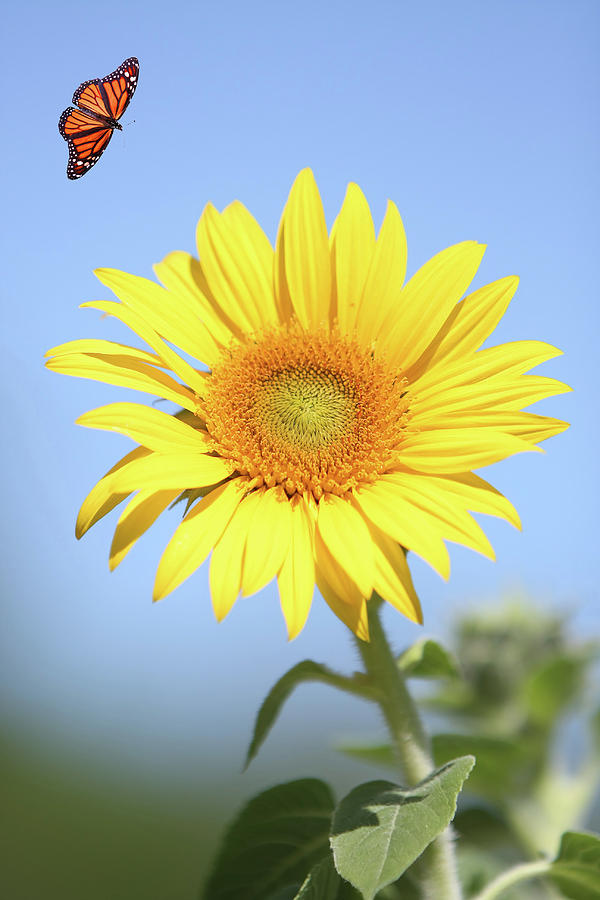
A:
(478, 120)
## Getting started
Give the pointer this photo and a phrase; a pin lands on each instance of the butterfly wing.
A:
(87, 137)
(109, 97)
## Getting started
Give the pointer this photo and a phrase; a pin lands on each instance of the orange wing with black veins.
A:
(87, 137)
(109, 97)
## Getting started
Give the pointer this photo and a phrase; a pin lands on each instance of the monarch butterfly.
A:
(101, 102)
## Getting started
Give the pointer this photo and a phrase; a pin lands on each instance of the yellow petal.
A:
(123, 371)
(354, 616)
(147, 426)
(352, 250)
(194, 379)
(106, 348)
(468, 325)
(306, 249)
(268, 540)
(183, 276)
(403, 522)
(211, 238)
(427, 300)
(385, 277)
(102, 499)
(152, 303)
(451, 450)
(237, 260)
(525, 425)
(536, 428)
(170, 471)
(196, 536)
(393, 581)
(140, 513)
(497, 394)
(282, 293)
(227, 557)
(475, 495)
(450, 518)
(296, 578)
(507, 360)
(335, 575)
(347, 538)
(253, 254)
(528, 389)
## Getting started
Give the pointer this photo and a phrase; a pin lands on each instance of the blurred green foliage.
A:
(524, 703)
(73, 830)
(516, 691)
(525, 706)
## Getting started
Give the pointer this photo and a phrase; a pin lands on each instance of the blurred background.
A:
(126, 723)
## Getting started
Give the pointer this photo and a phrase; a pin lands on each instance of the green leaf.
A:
(407, 888)
(274, 842)
(380, 829)
(428, 659)
(499, 761)
(553, 685)
(576, 869)
(281, 690)
(322, 882)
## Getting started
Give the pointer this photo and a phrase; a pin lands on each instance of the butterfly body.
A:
(98, 105)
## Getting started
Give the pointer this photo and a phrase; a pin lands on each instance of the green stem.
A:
(523, 872)
(437, 865)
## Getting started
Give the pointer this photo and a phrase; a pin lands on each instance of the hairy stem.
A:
(437, 866)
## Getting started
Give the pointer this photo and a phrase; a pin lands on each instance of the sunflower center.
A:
(314, 412)
(307, 409)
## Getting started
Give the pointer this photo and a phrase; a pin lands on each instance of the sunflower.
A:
(330, 415)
